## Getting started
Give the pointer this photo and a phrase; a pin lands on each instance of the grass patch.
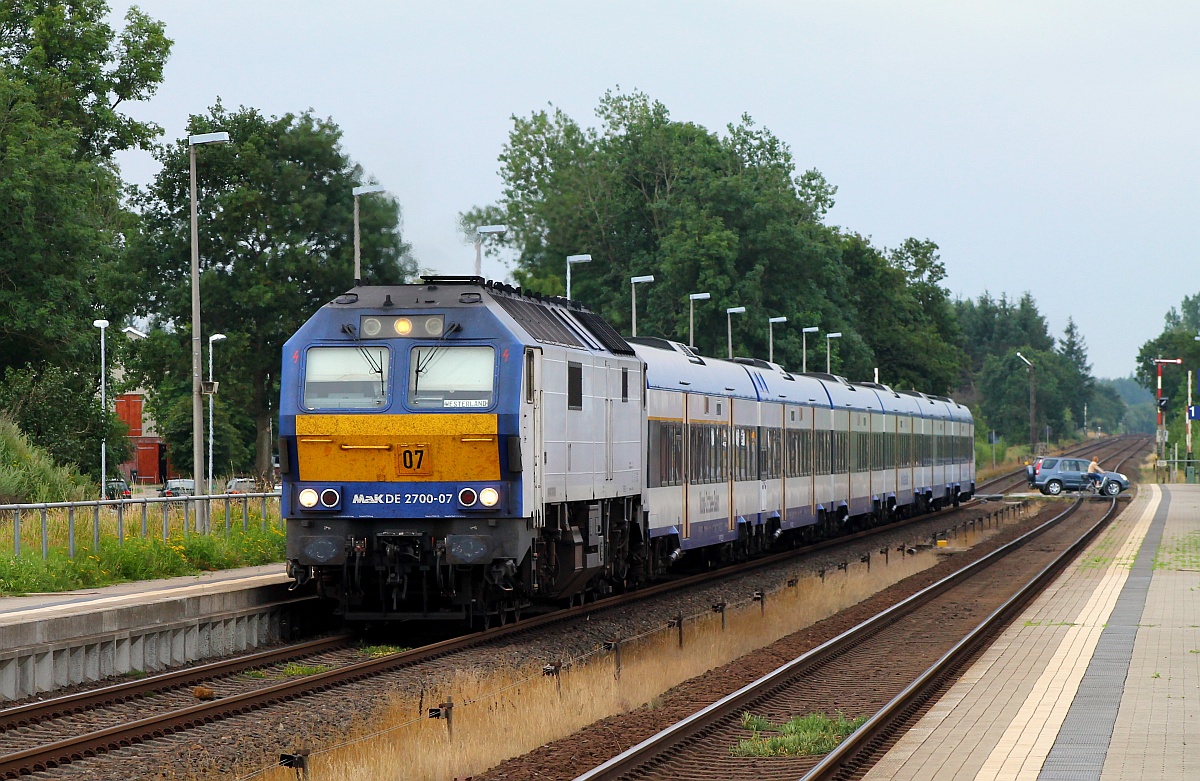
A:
(289, 670)
(809, 735)
(377, 651)
(294, 670)
(138, 558)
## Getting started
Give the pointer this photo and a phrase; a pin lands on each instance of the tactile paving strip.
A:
(1082, 744)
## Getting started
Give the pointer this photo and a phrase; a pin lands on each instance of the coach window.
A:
(624, 383)
(346, 377)
(443, 377)
(529, 376)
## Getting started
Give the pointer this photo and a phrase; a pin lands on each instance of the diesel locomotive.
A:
(458, 448)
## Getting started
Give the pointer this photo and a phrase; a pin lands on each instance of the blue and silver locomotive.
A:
(458, 448)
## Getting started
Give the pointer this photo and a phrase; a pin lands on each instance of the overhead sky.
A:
(1046, 147)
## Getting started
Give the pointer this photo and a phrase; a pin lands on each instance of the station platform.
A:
(1099, 679)
(48, 641)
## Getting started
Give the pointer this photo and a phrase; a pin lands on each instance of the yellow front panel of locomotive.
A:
(387, 448)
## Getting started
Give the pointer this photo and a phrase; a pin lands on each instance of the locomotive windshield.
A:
(451, 377)
(346, 377)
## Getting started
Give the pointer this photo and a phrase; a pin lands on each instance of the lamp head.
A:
(735, 310)
(579, 258)
(367, 189)
(810, 330)
(208, 138)
(834, 335)
(706, 296)
(496, 230)
(639, 280)
(216, 338)
(1026, 360)
(776, 319)
(101, 324)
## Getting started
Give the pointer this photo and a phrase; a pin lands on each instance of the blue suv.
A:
(1052, 476)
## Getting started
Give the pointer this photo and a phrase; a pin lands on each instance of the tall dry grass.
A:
(501, 714)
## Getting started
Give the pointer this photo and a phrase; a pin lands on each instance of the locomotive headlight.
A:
(330, 497)
(435, 325)
(371, 326)
(403, 326)
(308, 498)
(467, 497)
(488, 497)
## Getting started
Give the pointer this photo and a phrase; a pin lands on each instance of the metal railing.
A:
(58, 524)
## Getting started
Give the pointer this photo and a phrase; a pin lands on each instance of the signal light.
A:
(434, 326)
(371, 326)
(403, 326)
(308, 498)
(488, 497)
(467, 497)
(330, 497)
(1162, 402)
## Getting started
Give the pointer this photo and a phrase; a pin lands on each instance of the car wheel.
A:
(1054, 487)
(1112, 488)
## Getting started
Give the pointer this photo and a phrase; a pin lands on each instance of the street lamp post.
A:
(828, 363)
(480, 232)
(771, 321)
(357, 191)
(1032, 407)
(212, 392)
(633, 283)
(729, 313)
(804, 332)
(197, 375)
(692, 299)
(574, 259)
(102, 325)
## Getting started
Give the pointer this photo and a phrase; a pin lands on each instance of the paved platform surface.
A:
(14, 609)
(1099, 680)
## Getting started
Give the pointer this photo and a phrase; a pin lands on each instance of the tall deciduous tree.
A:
(276, 242)
(718, 213)
(81, 71)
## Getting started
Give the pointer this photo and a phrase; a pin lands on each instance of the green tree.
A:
(706, 212)
(45, 405)
(1004, 382)
(81, 71)
(276, 242)
(1079, 385)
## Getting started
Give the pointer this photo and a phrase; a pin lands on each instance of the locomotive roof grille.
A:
(537, 320)
(607, 335)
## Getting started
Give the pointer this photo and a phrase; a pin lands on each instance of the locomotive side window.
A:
(346, 377)
(574, 385)
(451, 377)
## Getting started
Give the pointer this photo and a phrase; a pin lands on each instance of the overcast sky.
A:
(1045, 146)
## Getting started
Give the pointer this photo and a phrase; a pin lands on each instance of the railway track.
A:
(41, 735)
(861, 672)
